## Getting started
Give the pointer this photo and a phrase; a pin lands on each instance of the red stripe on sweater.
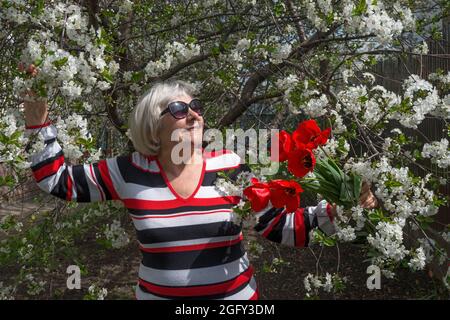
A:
(104, 172)
(255, 296)
(170, 204)
(200, 290)
(330, 215)
(299, 223)
(69, 187)
(46, 124)
(49, 169)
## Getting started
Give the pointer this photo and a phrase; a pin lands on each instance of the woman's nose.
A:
(193, 115)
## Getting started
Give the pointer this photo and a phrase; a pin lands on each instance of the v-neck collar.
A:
(169, 185)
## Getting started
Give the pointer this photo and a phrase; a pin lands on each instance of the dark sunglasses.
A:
(180, 109)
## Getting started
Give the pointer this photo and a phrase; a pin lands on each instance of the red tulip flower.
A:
(297, 149)
(258, 194)
(284, 146)
(300, 162)
(322, 138)
(309, 136)
(285, 193)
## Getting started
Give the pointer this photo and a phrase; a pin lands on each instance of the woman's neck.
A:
(176, 163)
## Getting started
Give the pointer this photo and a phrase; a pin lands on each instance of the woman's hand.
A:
(36, 112)
(367, 199)
(31, 69)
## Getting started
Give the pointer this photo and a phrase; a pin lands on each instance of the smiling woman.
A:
(191, 242)
(148, 118)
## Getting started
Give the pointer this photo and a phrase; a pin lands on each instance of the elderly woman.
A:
(190, 243)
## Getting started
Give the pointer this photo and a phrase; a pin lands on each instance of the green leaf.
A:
(357, 183)
(324, 239)
(326, 172)
(39, 8)
(215, 51)
(7, 181)
(360, 8)
(16, 135)
(392, 183)
(60, 62)
(107, 76)
(137, 76)
(191, 39)
(344, 194)
(278, 9)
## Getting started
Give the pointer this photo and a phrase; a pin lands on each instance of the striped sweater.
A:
(192, 248)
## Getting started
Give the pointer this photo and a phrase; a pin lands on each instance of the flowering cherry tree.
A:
(298, 59)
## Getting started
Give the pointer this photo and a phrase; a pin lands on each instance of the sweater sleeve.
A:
(292, 228)
(81, 183)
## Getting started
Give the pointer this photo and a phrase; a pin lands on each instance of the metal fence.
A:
(390, 73)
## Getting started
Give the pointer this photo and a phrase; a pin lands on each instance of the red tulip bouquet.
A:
(327, 179)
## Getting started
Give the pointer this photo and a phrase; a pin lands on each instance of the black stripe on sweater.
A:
(193, 259)
(60, 189)
(189, 232)
(79, 177)
(131, 174)
(209, 179)
(276, 234)
(266, 218)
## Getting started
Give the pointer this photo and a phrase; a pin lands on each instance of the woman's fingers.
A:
(367, 199)
(30, 69)
(364, 195)
(365, 187)
(370, 202)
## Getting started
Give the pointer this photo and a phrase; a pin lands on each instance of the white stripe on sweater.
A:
(222, 162)
(226, 215)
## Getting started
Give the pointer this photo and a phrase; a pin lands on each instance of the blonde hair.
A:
(144, 120)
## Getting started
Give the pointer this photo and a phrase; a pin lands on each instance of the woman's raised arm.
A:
(81, 183)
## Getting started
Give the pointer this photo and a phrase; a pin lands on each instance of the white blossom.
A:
(418, 260)
(97, 293)
(438, 151)
(116, 234)
(388, 240)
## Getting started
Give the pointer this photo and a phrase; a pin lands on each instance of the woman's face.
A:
(188, 129)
